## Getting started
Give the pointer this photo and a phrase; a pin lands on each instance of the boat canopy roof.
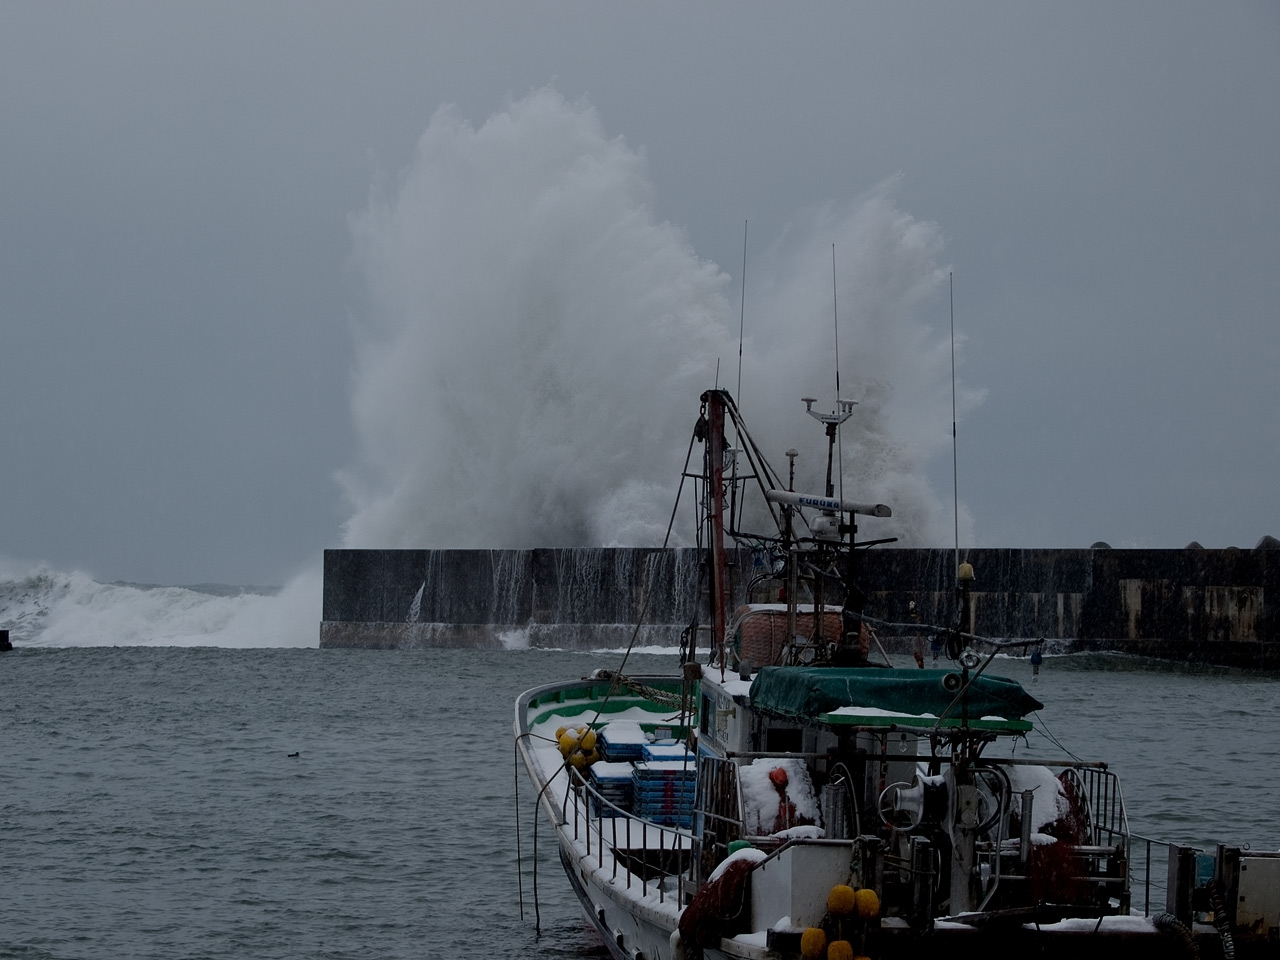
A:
(878, 697)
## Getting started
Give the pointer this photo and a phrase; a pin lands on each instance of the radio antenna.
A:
(742, 313)
(835, 320)
(955, 469)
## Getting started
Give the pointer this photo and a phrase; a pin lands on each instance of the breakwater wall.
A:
(1215, 606)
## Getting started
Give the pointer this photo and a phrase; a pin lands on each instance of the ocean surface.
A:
(163, 802)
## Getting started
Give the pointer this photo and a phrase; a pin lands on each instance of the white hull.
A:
(800, 794)
(627, 928)
(634, 915)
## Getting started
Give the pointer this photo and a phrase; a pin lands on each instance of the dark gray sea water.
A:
(151, 805)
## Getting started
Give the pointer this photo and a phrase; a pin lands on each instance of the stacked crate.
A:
(622, 740)
(612, 781)
(666, 750)
(662, 791)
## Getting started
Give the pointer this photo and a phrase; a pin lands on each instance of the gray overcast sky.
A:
(178, 184)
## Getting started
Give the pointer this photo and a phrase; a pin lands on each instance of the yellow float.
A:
(841, 901)
(813, 943)
(867, 903)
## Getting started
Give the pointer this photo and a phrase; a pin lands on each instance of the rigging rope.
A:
(663, 697)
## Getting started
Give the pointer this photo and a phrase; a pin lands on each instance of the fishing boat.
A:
(791, 793)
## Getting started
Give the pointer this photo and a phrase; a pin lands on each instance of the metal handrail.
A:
(1161, 880)
(1108, 828)
(585, 798)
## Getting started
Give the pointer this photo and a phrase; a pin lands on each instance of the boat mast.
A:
(964, 571)
(955, 462)
(714, 401)
(831, 422)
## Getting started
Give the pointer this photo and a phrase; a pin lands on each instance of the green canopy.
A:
(810, 694)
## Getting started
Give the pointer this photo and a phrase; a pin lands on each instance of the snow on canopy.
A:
(803, 693)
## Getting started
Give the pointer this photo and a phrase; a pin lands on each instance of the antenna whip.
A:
(742, 313)
(955, 469)
(835, 319)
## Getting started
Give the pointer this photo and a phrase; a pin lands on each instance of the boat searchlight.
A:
(827, 504)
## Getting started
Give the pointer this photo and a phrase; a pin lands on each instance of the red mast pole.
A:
(715, 479)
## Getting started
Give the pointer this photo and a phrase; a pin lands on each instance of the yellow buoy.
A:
(841, 901)
(840, 950)
(813, 943)
(588, 740)
(867, 903)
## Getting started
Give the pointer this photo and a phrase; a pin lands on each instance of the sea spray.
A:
(47, 608)
(536, 339)
(531, 327)
(528, 362)
(894, 357)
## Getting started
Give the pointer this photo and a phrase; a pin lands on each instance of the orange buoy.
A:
(841, 901)
(813, 943)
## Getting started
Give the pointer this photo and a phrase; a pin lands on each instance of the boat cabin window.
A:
(779, 740)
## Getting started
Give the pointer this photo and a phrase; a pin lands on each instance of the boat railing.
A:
(1108, 826)
(717, 803)
(1101, 790)
(637, 850)
(1149, 871)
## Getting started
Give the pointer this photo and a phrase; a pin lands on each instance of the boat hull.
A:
(635, 914)
(793, 789)
(622, 931)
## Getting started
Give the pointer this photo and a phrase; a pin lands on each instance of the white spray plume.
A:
(895, 357)
(529, 369)
(48, 608)
(528, 372)
(527, 310)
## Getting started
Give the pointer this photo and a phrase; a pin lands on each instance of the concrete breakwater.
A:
(1215, 606)
(583, 597)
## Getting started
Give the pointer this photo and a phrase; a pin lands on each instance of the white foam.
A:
(48, 608)
(529, 366)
